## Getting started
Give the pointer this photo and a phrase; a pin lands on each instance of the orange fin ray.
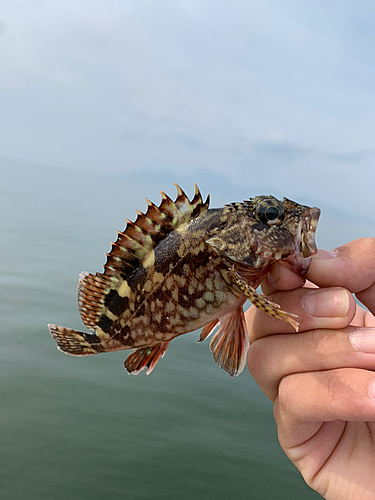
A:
(208, 329)
(230, 343)
(144, 357)
(261, 301)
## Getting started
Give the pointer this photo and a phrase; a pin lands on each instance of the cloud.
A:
(273, 97)
(355, 157)
(2, 26)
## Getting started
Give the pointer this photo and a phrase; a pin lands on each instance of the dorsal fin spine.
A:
(180, 192)
(141, 236)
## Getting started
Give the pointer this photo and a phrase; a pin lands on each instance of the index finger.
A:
(351, 266)
(281, 277)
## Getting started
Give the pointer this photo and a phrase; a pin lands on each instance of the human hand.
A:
(321, 380)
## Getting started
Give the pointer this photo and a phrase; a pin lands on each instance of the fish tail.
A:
(75, 342)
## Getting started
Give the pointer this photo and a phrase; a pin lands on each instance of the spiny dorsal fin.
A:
(135, 243)
(130, 250)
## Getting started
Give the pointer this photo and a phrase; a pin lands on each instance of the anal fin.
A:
(230, 343)
(144, 357)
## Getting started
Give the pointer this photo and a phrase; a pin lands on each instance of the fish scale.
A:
(182, 266)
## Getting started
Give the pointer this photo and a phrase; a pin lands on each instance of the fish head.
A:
(285, 231)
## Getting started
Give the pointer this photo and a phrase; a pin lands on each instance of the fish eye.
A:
(270, 212)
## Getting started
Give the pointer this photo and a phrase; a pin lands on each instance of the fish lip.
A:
(310, 220)
(305, 245)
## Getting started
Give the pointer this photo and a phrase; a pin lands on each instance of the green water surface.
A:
(81, 428)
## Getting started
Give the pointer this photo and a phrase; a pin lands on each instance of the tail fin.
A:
(74, 342)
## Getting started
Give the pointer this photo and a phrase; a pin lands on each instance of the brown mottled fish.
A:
(182, 266)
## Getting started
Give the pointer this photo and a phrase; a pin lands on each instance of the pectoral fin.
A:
(260, 301)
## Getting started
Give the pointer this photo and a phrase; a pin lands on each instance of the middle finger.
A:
(270, 359)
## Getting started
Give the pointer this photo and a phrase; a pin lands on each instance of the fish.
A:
(181, 266)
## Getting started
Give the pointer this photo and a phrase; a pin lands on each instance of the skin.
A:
(321, 380)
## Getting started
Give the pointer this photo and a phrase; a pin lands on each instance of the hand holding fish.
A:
(322, 379)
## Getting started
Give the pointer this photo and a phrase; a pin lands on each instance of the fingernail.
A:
(326, 303)
(371, 389)
(274, 275)
(363, 340)
(325, 254)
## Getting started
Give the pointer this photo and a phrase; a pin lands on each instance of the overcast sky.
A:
(259, 92)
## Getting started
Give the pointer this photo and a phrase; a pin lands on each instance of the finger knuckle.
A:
(369, 244)
(364, 250)
(285, 394)
(255, 358)
(360, 244)
(333, 385)
(344, 390)
(318, 343)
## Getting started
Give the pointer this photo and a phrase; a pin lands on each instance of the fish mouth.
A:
(307, 245)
